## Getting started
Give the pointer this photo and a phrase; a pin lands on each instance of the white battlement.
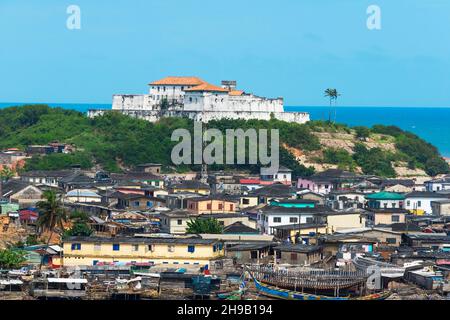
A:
(196, 99)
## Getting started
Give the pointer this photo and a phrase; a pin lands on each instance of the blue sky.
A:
(289, 48)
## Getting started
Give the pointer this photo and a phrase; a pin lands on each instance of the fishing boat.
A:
(284, 294)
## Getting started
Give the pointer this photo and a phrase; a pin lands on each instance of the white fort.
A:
(196, 99)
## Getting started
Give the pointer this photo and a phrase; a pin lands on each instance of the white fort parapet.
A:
(193, 98)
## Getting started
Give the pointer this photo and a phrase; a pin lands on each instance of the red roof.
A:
(250, 181)
(207, 87)
(178, 81)
(28, 215)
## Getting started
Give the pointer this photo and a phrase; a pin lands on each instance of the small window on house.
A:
(395, 218)
(294, 256)
(136, 203)
(171, 248)
(254, 254)
(151, 247)
(231, 207)
(245, 201)
(419, 204)
(220, 206)
(191, 249)
(209, 206)
(97, 247)
(179, 222)
(277, 220)
(293, 220)
(309, 220)
(135, 247)
(76, 246)
(391, 240)
(116, 247)
(408, 203)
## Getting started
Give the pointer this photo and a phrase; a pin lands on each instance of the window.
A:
(245, 201)
(391, 240)
(294, 256)
(209, 206)
(419, 204)
(179, 222)
(151, 248)
(149, 203)
(191, 249)
(394, 205)
(220, 206)
(276, 219)
(395, 218)
(293, 220)
(231, 207)
(408, 203)
(171, 248)
(136, 203)
(254, 254)
(116, 247)
(135, 247)
(76, 246)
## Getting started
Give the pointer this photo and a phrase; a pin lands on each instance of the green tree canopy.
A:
(209, 225)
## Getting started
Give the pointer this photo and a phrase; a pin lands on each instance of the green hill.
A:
(115, 142)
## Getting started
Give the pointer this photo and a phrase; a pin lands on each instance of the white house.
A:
(83, 195)
(420, 202)
(438, 184)
(273, 216)
(283, 175)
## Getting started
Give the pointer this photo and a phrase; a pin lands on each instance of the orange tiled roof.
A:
(207, 87)
(178, 81)
(236, 93)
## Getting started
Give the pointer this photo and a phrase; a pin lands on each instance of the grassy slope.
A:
(115, 141)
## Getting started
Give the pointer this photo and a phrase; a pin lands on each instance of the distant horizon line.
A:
(286, 106)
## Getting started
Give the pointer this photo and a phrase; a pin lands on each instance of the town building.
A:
(437, 185)
(283, 175)
(328, 180)
(419, 203)
(89, 251)
(191, 186)
(213, 204)
(385, 200)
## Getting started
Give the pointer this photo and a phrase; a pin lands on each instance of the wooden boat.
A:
(284, 294)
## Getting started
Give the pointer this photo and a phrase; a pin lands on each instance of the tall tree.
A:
(52, 215)
(333, 95)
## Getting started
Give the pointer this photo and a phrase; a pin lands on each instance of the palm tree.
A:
(332, 94)
(52, 215)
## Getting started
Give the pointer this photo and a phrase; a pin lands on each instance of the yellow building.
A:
(190, 186)
(341, 221)
(213, 204)
(248, 201)
(88, 251)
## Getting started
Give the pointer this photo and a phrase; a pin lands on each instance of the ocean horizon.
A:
(430, 123)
